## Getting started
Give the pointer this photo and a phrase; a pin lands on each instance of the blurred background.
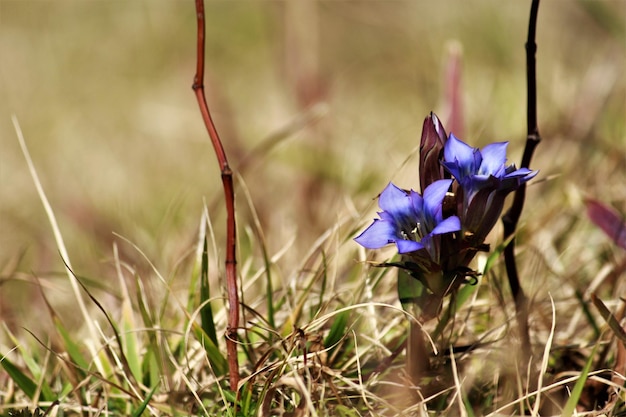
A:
(319, 105)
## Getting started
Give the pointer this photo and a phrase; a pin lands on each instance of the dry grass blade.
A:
(59, 241)
(613, 323)
(523, 398)
(545, 360)
(458, 386)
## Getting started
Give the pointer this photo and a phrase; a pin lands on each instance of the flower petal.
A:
(394, 201)
(406, 246)
(457, 150)
(526, 173)
(433, 196)
(455, 169)
(379, 234)
(449, 225)
(417, 201)
(494, 158)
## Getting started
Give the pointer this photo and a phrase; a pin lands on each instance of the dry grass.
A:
(319, 108)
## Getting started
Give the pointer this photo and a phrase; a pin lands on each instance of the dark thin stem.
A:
(511, 218)
(229, 197)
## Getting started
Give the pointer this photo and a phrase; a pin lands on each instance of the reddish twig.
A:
(229, 196)
(510, 219)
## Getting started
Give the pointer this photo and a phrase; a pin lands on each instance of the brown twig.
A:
(229, 197)
(511, 218)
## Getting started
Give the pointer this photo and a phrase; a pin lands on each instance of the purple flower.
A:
(484, 181)
(475, 169)
(411, 221)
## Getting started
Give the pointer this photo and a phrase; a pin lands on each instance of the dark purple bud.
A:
(431, 152)
(482, 214)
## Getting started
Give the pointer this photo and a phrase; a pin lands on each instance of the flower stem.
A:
(229, 197)
(417, 355)
(511, 218)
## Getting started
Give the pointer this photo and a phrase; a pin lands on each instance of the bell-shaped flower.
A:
(484, 181)
(411, 221)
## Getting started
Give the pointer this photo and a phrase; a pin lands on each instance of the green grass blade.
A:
(269, 290)
(35, 365)
(130, 340)
(142, 407)
(584, 305)
(70, 345)
(25, 383)
(72, 348)
(218, 361)
(493, 256)
(206, 313)
(337, 330)
(131, 347)
(153, 364)
(113, 326)
(468, 407)
(570, 406)
(322, 291)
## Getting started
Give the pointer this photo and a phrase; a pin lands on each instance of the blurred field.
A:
(319, 106)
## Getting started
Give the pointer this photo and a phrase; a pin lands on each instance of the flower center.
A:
(408, 232)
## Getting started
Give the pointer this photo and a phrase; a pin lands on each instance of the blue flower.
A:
(475, 169)
(411, 221)
(484, 181)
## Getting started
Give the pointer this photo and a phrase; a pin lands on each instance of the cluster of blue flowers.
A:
(463, 190)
